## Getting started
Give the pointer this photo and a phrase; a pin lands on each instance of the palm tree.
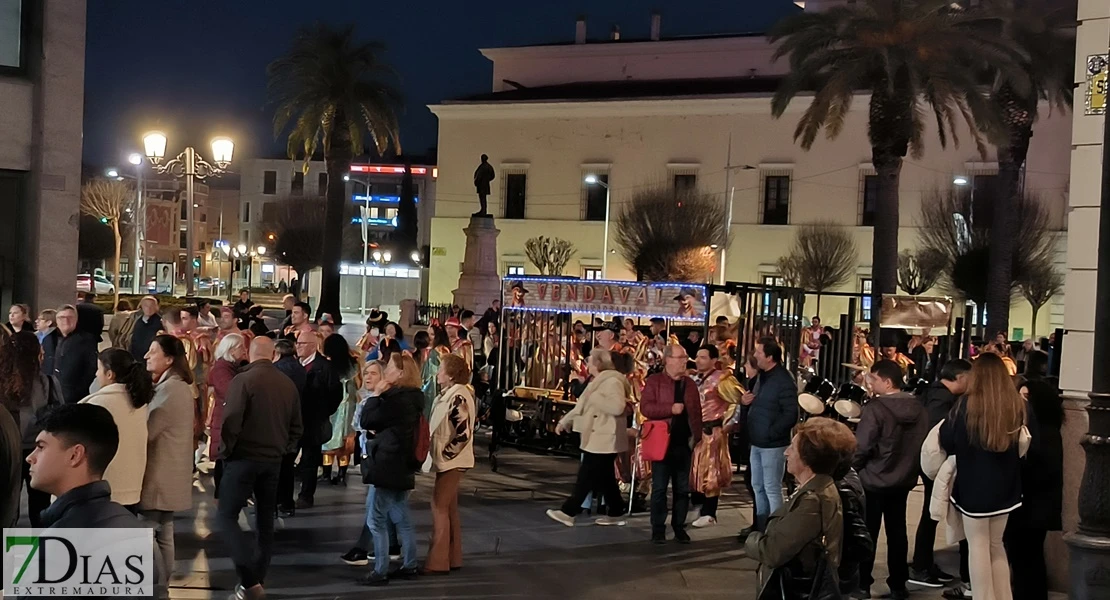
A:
(1045, 75)
(912, 57)
(330, 91)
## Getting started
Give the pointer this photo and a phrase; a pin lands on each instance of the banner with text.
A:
(677, 301)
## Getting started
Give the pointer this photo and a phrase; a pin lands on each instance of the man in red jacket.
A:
(671, 396)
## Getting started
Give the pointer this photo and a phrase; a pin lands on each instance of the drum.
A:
(816, 393)
(916, 387)
(850, 400)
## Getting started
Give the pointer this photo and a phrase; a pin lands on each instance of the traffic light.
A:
(196, 263)
(104, 220)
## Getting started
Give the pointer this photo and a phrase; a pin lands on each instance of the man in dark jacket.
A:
(262, 423)
(892, 427)
(320, 398)
(285, 360)
(771, 415)
(75, 356)
(390, 467)
(72, 451)
(938, 399)
(147, 325)
(672, 397)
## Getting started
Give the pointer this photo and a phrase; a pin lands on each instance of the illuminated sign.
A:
(374, 198)
(677, 301)
(387, 169)
(376, 221)
(1096, 84)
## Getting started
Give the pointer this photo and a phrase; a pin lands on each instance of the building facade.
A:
(42, 80)
(685, 113)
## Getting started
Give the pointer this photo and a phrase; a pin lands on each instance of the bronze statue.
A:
(483, 175)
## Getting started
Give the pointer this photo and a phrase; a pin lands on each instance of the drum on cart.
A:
(814, 398)
(849, 402)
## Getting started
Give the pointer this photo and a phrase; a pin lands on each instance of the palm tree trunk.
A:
(1003, 239)
(1033, 327)
(818, 313)
(337, 158)
(884, 250)
(115, 264)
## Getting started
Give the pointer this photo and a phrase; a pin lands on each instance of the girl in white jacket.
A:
(125, 390)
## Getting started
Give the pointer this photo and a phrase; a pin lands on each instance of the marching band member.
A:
(460, 346)
(711, 471)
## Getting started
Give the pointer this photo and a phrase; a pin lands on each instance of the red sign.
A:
(681, 301)
(160, 223)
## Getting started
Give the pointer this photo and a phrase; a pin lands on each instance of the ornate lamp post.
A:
(192, 167)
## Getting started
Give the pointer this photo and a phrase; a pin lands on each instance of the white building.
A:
(681, 112)
(42, 82)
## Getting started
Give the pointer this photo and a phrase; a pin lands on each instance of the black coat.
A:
(293, 370)
(856, 541)
(1042, 470)
(142, 334)
(391, 455)
(322, 394)
(75, 364)
(938, 402)
(49, 348)
(90, 318)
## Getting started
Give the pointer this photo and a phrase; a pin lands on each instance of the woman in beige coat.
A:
(450, 455)
(599, 418)
(125, 390)
(168, 483)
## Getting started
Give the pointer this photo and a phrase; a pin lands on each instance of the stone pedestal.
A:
(480, 280)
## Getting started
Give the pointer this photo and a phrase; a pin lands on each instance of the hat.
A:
(687, 291)
(613, 326)
(517, 285)
(453, 322)
(376, 317)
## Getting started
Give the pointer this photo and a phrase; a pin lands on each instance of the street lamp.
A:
(593, 179)
(113, 173)
(960, 180)
(191, 167)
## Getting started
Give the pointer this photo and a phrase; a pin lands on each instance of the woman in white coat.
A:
(599, 418)
(125, 390)
(168, 482)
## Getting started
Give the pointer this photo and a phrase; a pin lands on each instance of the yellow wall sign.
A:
(439, 251)
(1096, 84)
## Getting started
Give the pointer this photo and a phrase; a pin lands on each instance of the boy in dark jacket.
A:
(892, 428)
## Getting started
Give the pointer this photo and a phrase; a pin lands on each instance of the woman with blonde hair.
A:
(451, 454)
(983, 433)
(230, 353)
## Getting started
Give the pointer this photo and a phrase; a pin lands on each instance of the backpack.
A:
(127, 330)
(423, 440)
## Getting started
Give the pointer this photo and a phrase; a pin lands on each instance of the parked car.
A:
(97, 284)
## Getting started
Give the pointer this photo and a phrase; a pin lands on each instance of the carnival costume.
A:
(711, 470)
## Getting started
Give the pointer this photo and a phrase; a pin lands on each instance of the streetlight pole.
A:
(192, 167)
(140, 225)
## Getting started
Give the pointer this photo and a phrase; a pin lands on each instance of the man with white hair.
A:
(147, 325)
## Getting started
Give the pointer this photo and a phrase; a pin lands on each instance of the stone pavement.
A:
(512, 549)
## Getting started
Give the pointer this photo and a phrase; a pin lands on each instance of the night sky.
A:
(197, 69)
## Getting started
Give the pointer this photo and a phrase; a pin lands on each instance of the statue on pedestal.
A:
(483, 175)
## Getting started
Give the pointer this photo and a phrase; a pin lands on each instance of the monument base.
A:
(480, 279)
(1090, 566)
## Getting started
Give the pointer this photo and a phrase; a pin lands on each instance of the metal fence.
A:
(766, 311)
(427, 313)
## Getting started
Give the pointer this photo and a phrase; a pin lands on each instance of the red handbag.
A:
(655, 436)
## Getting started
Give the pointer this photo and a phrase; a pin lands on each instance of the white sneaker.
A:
(610, 522)
(562, 517)
(704, 521)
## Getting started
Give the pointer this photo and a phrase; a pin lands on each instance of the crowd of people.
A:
(121, 434)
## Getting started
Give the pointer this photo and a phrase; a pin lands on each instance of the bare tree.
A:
(550, 255)
(110, 201)
(1038, 286)
(789, 270)
(919, 270)
(666, 236)
(824, 256)
(948, 229)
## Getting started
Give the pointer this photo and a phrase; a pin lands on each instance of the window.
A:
(13, 26)
(387, 189)
(269, 182)
(516, 186)
(269, 212)
(686, 182)
(591, 274)
(390, 213)
(768, 297)
(322, 184)
(516, 270)
(596, 198)
(247, 211)
(184, 211)
(865, 301)
(774, 280)
(297, 187)
(776, 200)
(373, 212)
(870, 198)
(182, 238)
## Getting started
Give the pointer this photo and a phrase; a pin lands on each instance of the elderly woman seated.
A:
(808, 528)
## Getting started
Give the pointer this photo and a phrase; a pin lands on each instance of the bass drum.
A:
(849, 402)
(815, 395)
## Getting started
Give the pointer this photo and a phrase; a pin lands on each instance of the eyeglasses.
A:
(305, 343)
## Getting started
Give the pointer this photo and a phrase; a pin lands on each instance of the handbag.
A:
(788, 582)
(655, 436)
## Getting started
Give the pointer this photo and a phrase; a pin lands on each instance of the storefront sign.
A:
(1096, 84)
(680, 301)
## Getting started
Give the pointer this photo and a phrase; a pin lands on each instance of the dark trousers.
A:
(311, 459)
(926, 535)
(595, 474)
(217, 476)
(36, 501)
(243, 479)
(887, 507)
(709, 507)
(285, 481)
(673, 469)
(1025, 551)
